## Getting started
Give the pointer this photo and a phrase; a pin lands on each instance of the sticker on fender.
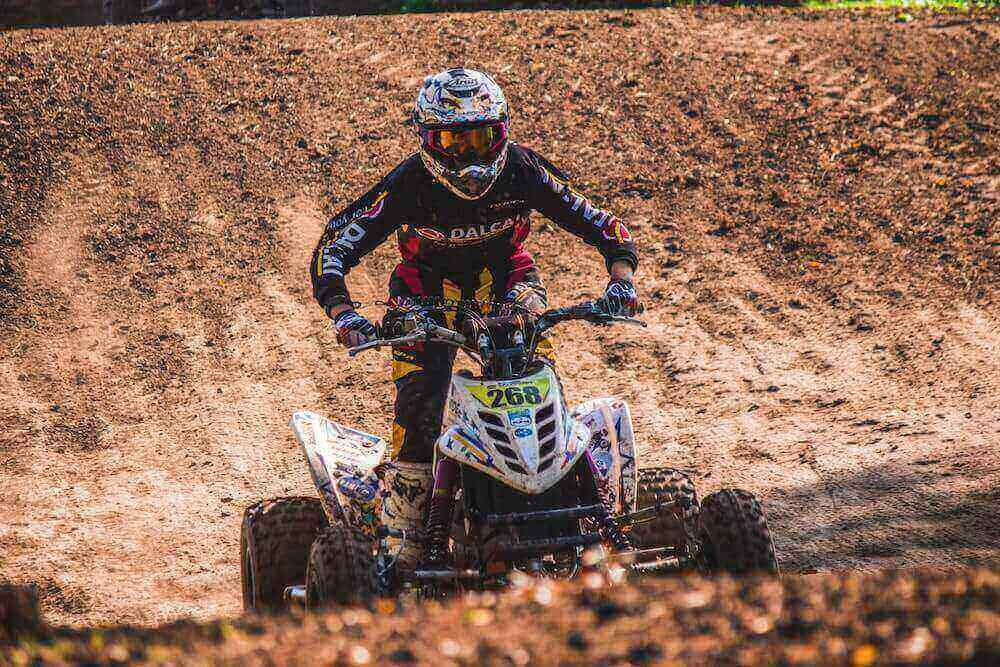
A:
(530, 392)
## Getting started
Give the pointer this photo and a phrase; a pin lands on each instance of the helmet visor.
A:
(467, 146)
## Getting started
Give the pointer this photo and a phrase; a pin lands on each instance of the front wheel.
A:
(734, 535)
(341, 568)
(274, 548)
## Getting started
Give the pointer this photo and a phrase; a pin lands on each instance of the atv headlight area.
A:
(514, 430)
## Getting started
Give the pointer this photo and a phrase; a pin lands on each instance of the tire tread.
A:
(341, 568)
(280, 532)
(733, 524)
(661, 485)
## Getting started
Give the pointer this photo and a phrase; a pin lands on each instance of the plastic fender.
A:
(457, 445)
(342, 461)
(612, 447)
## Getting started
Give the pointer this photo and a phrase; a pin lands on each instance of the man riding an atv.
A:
(460, 207)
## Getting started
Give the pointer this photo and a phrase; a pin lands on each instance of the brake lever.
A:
(416, 337)
(627, 320)
(604, 319)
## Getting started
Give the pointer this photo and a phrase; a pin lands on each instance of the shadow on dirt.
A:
(889, 515)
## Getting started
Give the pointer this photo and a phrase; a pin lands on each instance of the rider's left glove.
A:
(620, 299)
(353, 329)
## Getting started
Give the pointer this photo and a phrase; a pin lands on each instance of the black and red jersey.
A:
(440, 232)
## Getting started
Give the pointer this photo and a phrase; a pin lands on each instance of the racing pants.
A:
(422, 373)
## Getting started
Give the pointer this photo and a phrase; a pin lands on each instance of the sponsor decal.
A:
(350, 232)
(600, 440)
(374, 210)
(409, 488)
(368, 213)
(476, 233)
(615, 230)
(471, 449)
(519, 417)
(522, 432)
(357, 488)
(510, 203)
(461, 83)
(429, 233)
(349, 236)
(590, 213)
(602, 461)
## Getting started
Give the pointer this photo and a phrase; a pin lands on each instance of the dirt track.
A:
(816, 200)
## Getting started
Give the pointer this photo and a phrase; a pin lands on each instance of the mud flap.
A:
(612, 447)
(342, 462)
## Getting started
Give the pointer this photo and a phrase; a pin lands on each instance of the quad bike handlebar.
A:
(589, 311)
(427, 331)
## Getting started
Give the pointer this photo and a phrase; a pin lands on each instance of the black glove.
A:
(620, 299)
(353, 329)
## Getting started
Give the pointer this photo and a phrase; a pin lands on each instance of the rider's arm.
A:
(352, 234)
(555, 198)
(621, 270)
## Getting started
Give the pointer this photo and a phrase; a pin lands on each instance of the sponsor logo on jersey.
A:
(590, 213)
(615, 230)
(430, 233)
(510, 203)
(478, 233)
(368, 213)
(375, 209)
(349, 233)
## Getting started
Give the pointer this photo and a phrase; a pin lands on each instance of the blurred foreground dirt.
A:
(815, 196)
(844, 618)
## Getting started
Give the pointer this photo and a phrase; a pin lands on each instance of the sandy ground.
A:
(816, 202)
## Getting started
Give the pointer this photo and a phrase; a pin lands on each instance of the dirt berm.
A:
(815, 196)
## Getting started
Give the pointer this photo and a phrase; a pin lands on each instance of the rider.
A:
(460, 208)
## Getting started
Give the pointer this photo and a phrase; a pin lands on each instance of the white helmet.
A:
(461, 116)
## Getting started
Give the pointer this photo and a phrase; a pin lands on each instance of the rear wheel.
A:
(734, 534)
(341, 568)
(668, 529)
(274, 548)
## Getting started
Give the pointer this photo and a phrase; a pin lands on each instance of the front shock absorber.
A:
(606, 524)
(439, 514)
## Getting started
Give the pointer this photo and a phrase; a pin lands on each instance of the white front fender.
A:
(458, 445)
(612, 447)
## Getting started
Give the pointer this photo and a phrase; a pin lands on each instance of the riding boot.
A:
(405, 509)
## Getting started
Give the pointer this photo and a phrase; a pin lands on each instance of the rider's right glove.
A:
(353, 329)
(620, 299)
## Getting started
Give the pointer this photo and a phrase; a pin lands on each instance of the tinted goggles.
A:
(467, 144)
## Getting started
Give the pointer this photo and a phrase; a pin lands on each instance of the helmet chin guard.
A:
(461, 116)
(471, 182)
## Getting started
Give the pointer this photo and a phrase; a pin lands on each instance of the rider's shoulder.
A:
(410, 168)
(534, 161)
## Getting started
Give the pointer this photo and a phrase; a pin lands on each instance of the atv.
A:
(520, 483)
